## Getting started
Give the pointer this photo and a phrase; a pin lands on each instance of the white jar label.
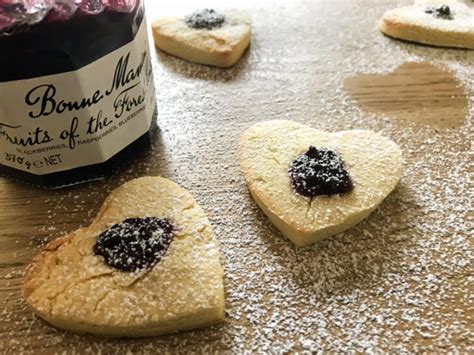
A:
(69, 120)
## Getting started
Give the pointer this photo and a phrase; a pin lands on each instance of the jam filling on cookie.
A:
(318, 172)
(443, 12)
(204, 19)
(135, 243)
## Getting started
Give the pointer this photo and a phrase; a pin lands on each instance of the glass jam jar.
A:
(76, 88)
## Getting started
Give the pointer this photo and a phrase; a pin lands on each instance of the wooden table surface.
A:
(399, 281)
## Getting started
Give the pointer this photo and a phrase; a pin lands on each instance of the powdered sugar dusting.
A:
(135, 243)
(398, 282)
(319, 172)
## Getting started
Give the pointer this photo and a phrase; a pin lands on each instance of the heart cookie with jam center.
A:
(206, 36)
(148, 264)
(432, 22)
(313, 184)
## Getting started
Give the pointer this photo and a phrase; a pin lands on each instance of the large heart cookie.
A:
(147, 265)
(205, 36)
(446, 23)
(314, 184)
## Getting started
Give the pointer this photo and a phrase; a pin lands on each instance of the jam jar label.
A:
(63, 121)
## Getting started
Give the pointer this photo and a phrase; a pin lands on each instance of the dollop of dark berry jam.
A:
(443, 12)
(206, 18)
(135, 243)
(318, 172)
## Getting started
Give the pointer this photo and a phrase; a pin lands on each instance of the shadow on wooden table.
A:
(33, 215)
(191, 339)
(359, 258)
(201, 71)
(431, 53)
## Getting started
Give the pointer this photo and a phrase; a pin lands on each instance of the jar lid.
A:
(19, 13)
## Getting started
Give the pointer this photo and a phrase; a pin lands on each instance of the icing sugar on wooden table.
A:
(398, 282)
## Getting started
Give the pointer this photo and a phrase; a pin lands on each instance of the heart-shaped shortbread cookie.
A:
(446, 23)
(357, 168)
(147, 265)
(205, 37)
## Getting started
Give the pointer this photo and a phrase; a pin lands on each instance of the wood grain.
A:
(397, 282)
(418, 92)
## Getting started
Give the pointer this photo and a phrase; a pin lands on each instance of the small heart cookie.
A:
(205, 36)
(445, 23)
(147, 265)
(313, 184)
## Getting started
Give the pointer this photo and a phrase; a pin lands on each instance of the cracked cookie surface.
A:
(70, 287)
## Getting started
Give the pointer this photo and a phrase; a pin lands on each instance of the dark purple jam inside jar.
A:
(76, 86)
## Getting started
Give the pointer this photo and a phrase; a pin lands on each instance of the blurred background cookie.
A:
(206, 36)
(445, 23)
